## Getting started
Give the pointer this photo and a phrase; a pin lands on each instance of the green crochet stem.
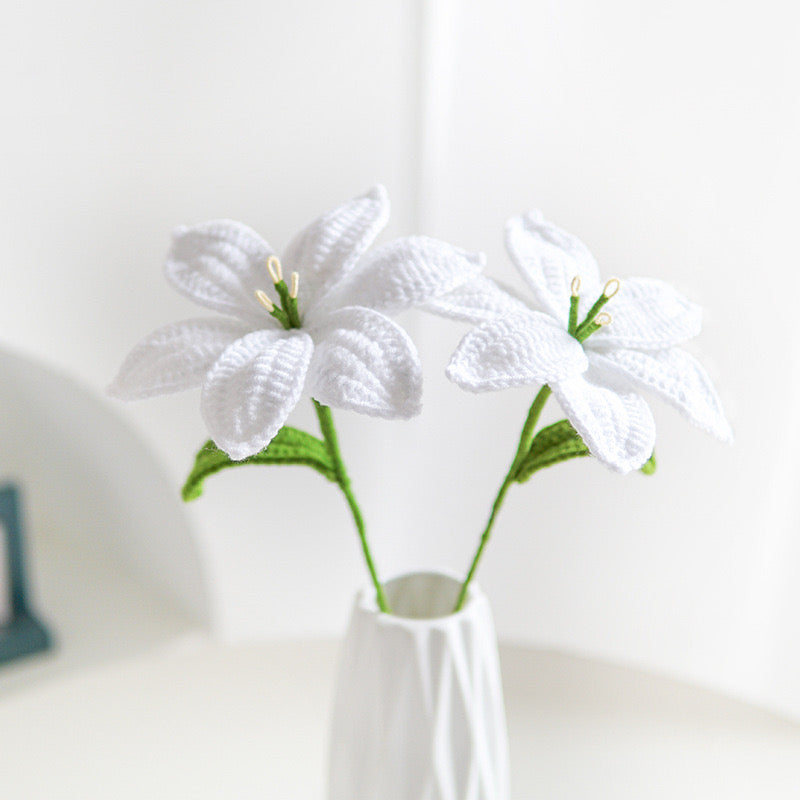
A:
(517, 471)
(525, 440)
(332, 443)
(573, 314)
(289, 304)
(289, 316)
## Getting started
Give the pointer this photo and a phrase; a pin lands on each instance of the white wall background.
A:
(664, 134)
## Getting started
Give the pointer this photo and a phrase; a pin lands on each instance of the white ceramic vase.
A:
(418, 710)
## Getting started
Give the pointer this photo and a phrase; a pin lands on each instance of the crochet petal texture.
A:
(516, 350)
(616, 424)
(174, 357)
(219, 265)
(325, 252)
(548, 258)
(365, 362)
(476, 300)
(648, 314)
(253, 387)
(408, 272)
(676, 377)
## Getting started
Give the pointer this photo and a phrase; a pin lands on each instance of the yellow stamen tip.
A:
(611, 288)
(575, 286)
(274, 269)
(603, 319)
(262, 298)
(295, 286)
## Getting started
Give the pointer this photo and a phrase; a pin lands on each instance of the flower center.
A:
(593, 320)
(287, 314)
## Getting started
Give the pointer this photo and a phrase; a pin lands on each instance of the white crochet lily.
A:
(598, 380)
(336, 344)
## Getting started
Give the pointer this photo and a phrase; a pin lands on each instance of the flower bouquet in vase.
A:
(418, 712)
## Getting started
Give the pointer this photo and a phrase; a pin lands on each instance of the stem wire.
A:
(332, 443)
(525, 441)
(581, 333)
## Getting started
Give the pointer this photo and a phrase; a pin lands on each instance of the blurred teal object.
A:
(22, 634)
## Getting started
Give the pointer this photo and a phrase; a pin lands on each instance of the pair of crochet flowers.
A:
(327, 332)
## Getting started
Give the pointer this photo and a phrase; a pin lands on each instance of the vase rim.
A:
(367, 600)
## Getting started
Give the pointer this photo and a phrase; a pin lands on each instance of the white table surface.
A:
(194, 719)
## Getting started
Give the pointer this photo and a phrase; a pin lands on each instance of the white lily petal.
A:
(516, 350)
(252, 388)
(674, 376)
(219, 265)
(324, 252)
(477, 300)
(365, 362)
(405, 273)
(648, 314)
(174, 357)
(616, 424)
(548, 258)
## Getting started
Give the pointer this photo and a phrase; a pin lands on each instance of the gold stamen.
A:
(262, 298)
(295, 286)
(274, 269)
(611, 288)
(603, 319)
(575, 286)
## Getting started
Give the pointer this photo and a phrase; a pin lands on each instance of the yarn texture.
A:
(596, 369)
(290, 446)
(334, 344)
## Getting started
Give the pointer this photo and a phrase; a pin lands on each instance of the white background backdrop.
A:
(664, 134)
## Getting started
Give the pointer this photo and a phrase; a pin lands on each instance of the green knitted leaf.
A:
(649, 466)
(290, 446)
(555, 443)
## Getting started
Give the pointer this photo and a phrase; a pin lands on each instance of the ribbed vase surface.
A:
(418, 711)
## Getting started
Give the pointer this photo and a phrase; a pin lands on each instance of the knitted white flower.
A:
(325, 333)
(596, 363)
